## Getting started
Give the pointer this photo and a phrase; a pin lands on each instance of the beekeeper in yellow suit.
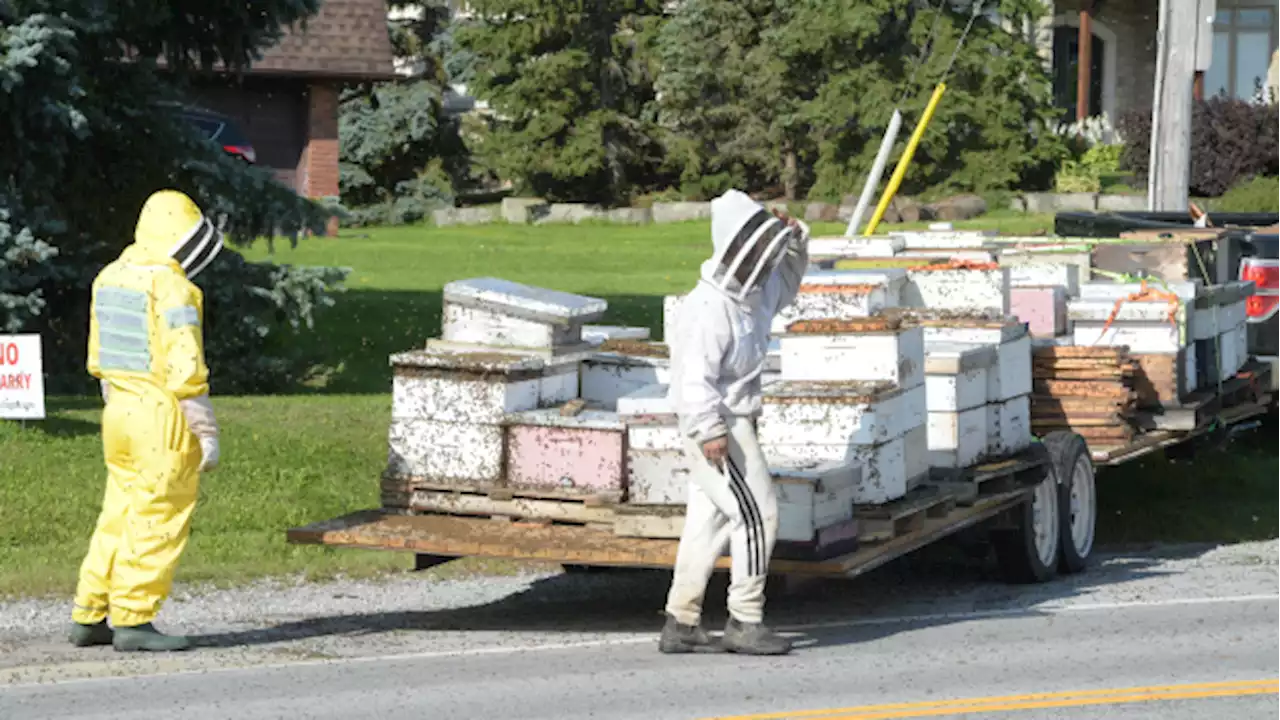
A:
(158, 428)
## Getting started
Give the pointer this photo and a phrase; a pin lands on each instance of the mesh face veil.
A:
(750, 255)
(198, 247)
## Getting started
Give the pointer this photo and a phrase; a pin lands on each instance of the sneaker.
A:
(678, 638)
(87, 635)
(147, 638)
(753, 639)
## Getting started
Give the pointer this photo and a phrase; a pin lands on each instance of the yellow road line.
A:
(1030, 701)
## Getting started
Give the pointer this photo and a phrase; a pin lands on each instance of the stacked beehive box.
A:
(842, 294)
(452, 424)
(1008, 377)
(1157, 328)
(1088, 390)
(956, 389)
(958, 285)
(852, 391)
(622, 367)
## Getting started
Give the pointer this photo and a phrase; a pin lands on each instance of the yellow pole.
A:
(901, 170)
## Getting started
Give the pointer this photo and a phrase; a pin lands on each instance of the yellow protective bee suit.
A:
(158, 428)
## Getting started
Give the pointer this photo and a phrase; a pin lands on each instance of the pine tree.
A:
(570, 84)
(768, 93)
(85, 92)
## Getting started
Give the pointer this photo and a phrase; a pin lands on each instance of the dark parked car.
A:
(220, 129)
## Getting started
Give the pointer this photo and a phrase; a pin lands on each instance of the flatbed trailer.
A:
(1038, 509)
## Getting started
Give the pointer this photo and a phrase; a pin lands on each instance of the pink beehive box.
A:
(1043, 309)
(578, 456)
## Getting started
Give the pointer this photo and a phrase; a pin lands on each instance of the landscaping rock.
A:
(906, 209)
(522, 211)
(959, 207)
(681, 212)
(464, 216)
(572, 213)
(630, 216)
(821, 212)
(1122, 203)
(1053, 202)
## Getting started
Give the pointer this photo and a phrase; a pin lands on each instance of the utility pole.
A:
(1169, 184)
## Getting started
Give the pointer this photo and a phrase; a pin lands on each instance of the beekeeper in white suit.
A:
(717, 355)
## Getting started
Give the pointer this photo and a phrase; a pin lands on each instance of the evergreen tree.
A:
(570, 84)
(89, 134)
(798, 94)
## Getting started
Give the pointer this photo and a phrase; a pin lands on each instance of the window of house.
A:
(1244, 36)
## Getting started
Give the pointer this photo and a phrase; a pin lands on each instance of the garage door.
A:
(272, 113)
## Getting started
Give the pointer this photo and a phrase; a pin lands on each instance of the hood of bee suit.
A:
(747, 241)
(172, 226)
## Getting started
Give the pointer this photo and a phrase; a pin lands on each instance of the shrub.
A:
(1231, 141)
(1085, 174)
(1260, 194)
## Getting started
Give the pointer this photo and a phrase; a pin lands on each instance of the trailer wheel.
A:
(1029, 551)
(1077, 497)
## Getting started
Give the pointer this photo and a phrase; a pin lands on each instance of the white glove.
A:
(200, 418)
(209, 452)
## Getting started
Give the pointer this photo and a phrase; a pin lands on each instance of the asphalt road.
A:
(1187, 636)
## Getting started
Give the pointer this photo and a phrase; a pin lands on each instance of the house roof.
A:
(345, 39)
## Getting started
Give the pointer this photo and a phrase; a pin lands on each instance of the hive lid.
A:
(524, 301)
(855, 247)
(824, 475)
(589, 419)
(954, 358)
(839, 280)
(597, 334)
(834, 392)
(1185, 290)
(476, 362)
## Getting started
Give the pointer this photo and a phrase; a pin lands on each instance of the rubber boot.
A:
(753, 639)
(86, 635)
(147, 638)
(678, 638)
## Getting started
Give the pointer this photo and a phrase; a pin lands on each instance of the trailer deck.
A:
(954, 502)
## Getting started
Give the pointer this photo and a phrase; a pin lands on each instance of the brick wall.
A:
(318, 167)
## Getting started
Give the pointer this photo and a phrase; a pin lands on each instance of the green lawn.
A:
(290, 460)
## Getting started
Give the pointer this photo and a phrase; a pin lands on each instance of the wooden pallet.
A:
(402, 487)
(881, 523)
(500, 505)
(966, 485)
(1200, 407)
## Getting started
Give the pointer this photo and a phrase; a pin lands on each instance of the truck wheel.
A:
(1077, 497)
(1029, 552)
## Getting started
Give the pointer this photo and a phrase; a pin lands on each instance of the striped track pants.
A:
(734, 507)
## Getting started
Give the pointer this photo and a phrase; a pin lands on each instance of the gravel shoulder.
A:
(422, 614)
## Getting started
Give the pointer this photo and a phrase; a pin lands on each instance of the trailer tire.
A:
(1029, 552)
(1077, 498)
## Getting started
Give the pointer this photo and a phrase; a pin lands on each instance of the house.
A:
(287, 102)
(1234, 51)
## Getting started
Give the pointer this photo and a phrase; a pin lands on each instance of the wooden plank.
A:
(454, 503)
(462, 536)
(404, 485)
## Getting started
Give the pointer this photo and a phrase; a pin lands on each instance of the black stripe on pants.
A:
(757, 562)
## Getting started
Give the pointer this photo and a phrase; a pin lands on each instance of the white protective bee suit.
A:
(717, 356)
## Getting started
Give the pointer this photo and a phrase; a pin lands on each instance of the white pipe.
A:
(877, 170)
(1153, 158)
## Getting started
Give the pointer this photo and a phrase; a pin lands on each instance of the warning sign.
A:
(21, 378)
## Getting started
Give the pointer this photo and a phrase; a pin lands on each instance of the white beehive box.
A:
(958, 439)
(956, 375)
(915, 450)
(837, 414)
(1143, 326)
(1045, 274)
(842, 294)
(890, 355)
(1014, 425)
(476, 388)
(658, 477)
(957, 289)
(608, 376)
(976, 329)
(596, 334)
(504, 314)
(883, 466)
(940, 239)
(855, 247)
(1012, 376)
(652, 399)
(445, 452)
(812, 495)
